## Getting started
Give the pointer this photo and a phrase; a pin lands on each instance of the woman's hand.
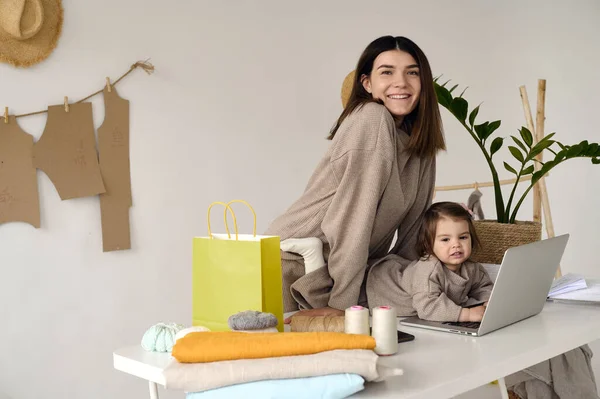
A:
(315, 312)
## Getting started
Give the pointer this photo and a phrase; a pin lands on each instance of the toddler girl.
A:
(440, 286)
(443, 283)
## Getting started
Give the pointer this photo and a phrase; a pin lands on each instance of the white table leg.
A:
(503, 390)
(153, 390)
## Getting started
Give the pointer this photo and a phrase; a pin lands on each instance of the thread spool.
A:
(357, 320)
(317, 324)
(385, 329)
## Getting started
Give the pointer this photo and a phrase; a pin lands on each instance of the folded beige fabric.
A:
(264, 330)
(197, 377)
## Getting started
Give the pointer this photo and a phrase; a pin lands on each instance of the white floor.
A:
(489, 391)
(492, 391)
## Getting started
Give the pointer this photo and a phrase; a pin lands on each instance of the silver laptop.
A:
(520, 290)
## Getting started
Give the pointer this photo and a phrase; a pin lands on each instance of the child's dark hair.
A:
(447, 209)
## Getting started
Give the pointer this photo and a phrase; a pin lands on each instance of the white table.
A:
(443, 365)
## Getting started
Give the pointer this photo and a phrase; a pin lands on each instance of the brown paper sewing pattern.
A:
(113, 144)
(19, 198)
(66, 152)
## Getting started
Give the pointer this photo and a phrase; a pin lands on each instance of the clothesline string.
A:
(477, 185)
(145, 65)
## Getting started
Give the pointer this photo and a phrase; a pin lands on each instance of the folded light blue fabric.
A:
(333, 386)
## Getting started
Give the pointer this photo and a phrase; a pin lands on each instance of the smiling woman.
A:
(395, 81)
(375, 180)
(395, 72)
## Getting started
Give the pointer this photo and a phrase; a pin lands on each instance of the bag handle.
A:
(234, 220)
(227, 207)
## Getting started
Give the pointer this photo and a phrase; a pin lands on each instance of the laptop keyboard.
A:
(467, 324)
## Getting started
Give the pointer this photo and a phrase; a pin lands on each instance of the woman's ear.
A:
(366, 82)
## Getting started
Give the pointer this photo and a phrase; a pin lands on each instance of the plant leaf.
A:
(562, 146)
(538, 175)
(463, 92)
(560, 156)
(529, 170)
(539, 147)
(520, 144)
(453, 87)
(496, 145)
(510, 168)
(481, 130)
(492, 128)
(516, 153)
(574, 151)
(596, 161)
(548, 137)
(473, 115)
(443, 95)
(459, 108)
(593, 149)
(526, 136)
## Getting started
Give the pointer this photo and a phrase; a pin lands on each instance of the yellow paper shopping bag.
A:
(235, 272)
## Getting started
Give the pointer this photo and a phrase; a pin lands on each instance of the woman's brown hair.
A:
(424, 124)
(427, 232)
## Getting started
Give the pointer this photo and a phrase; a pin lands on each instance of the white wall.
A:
(239, 106)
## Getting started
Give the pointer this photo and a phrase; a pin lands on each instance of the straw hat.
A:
(346, 87)
(29, 30)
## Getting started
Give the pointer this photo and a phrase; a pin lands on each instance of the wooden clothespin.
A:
(66, 104)
(5, 114)
(476, 186)
(108, 86)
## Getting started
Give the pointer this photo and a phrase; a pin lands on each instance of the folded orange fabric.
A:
(204, 347)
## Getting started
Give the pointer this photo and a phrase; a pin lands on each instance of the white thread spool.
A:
(385, 329)
(356, 320)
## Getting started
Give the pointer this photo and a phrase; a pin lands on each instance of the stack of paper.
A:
(567, 283)
(590, 295)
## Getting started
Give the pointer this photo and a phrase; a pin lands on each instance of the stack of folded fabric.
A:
(273, 365)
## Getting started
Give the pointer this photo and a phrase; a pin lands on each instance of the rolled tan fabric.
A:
(318, 324)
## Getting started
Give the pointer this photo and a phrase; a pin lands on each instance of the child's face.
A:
(452, 243)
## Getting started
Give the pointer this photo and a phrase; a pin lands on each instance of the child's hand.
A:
(471, 314)
(476, 313)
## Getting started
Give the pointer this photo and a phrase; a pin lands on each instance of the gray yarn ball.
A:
(252, 320)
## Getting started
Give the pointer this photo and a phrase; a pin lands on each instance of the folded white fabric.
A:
(334, 386)
(198, 377)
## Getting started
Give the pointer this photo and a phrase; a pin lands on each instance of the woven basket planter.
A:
(496, 238)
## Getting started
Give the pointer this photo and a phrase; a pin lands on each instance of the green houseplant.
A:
(506, 231)
(523, 150)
